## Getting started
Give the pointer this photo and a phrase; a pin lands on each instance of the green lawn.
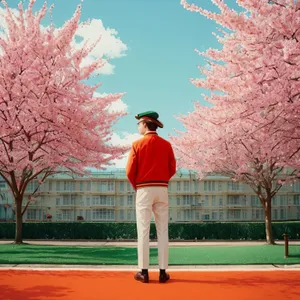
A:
(103, 255)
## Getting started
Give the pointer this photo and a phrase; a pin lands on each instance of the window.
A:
(130, 215)
(214, 215)
(178, 215)
(88, 214)
(220, 201)
(214, 202)
(186, 186)
(220, 186)
(88, 186)
(234, 200)
(96, 200)
(32, 214)
(103, 214)
(195, 187)
(255, 201)
(257, 214)
(206, 201)
(283, 200)
(206, 217)
(66, 185)
(297, 200)
(178, 186)
(32, 186)
(66, 215)
(121, 200)
(178, 201)
(2, 184)
(58, 216)
(50, 185)
(186, 200)
(197, 216)
(122, 186)
(187, 215)
(197, 201)
(103, 200)
(221, 215)
(110, 201)
(102, 186)
(81, 186)
(122, 214)
(296, 187)
(233, 186)
(57, 201)
(282, 214)
(67, 200)
(111, 186)
(192, 200)
(209, 186)
(81, 202)
(73, 199)
(234, 214)
(130, 200)
(88, 201)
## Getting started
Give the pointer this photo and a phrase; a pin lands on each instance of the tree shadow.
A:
(294, 255)
(33, 293)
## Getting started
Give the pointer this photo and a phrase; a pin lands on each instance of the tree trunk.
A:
(19, 221)
(268, 221)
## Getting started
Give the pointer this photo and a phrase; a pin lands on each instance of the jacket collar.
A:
(150, 133)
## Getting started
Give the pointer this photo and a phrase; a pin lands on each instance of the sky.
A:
(150, 45)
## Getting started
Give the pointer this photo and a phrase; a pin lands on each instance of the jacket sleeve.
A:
(131, 167)
(172, 163)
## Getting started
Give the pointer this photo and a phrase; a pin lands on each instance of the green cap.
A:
(150, 116)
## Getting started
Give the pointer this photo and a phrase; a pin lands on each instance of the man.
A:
(151, 164)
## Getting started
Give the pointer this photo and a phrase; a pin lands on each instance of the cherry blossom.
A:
(252, 131)
(50, 118)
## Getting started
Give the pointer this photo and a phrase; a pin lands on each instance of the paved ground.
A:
(207, 268)
(152, 244)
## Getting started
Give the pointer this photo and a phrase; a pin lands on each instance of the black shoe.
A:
(141, 277)
(164, 277)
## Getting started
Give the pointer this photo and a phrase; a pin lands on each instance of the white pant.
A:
(154, 199)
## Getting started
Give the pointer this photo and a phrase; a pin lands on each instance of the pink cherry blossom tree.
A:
(251, 132)
(50, 119)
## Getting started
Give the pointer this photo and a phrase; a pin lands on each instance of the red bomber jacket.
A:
(151, 162)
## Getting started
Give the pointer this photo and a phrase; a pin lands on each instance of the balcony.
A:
(197, 205)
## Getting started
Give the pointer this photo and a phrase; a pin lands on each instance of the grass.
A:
(104, 255)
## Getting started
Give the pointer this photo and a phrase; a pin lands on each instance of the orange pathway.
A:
(120, 285)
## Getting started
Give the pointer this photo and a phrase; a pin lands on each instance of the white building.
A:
(108, 196)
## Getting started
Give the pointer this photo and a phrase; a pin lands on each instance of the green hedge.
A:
(127, 231)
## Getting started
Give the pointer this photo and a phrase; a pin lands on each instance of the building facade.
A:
(109, 197)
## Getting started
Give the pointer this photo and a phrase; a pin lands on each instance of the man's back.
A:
(153, 161)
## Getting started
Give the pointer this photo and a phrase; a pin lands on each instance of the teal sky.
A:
(161, 37)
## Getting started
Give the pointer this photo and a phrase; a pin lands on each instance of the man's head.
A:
(148, 121)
